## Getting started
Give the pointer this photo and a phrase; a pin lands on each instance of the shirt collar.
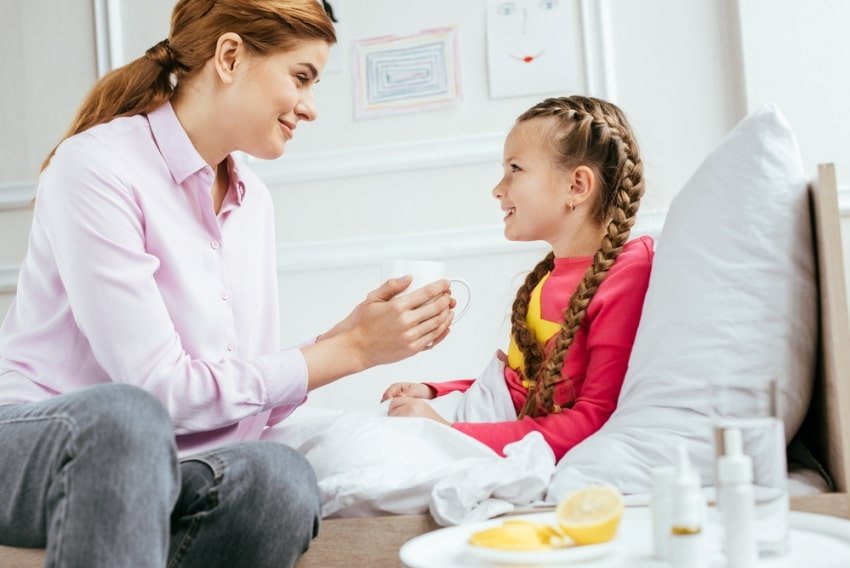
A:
(177, 150)
(235, 178)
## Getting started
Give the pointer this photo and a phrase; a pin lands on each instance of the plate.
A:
(817, 541)
(449, 548)
(567, 554)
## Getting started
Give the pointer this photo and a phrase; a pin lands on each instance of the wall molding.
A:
(8, 279)
(348, 253)
(473, 242)
(16, 195)
(381, 159)
(108, 38)
(598, 49)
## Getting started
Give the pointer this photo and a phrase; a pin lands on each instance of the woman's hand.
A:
(384, 328)
(397, 285)
(413, 390)
(407, 406)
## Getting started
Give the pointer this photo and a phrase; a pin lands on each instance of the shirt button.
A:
(225, 295)
(230, 347)
(214, 245)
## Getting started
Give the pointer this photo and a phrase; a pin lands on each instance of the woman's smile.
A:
(287, 128)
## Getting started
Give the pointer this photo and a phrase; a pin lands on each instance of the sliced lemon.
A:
(518, 534)
(591, 515)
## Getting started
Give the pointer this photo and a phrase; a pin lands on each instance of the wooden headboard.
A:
(826, 429)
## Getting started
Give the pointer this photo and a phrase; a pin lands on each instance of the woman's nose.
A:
(306, 107)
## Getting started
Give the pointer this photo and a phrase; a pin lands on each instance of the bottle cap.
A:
(686, 476)
(734, 466)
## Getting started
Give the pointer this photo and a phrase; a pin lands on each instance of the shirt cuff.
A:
(285, 374)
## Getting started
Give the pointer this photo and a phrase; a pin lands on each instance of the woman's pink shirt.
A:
(130, 277)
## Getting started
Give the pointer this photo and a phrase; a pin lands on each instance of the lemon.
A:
(517, 535)
(590, 515)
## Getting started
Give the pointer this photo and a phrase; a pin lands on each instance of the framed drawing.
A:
(394, 75)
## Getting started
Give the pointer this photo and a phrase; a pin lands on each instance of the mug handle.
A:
(465, 308)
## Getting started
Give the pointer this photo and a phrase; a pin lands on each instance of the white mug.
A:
(423, 273)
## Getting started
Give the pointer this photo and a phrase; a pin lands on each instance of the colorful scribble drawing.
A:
(531, 47)
(395, 75)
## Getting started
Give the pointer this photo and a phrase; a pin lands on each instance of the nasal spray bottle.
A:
(687, 535)
(735, 486)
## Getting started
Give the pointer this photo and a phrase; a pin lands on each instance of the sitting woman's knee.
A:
(283, 480)
(128, 420)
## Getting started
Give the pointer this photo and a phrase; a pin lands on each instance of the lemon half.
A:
(591, 515)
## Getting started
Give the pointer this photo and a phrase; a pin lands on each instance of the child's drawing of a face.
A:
(525, 26)
(531, 46)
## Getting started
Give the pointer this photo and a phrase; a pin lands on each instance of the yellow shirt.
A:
(543, 329)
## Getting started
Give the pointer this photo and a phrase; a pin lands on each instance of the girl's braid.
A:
(532, 350)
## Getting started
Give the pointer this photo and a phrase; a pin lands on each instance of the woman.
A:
(147, 307)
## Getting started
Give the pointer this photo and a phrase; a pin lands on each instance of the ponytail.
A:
(136, 88)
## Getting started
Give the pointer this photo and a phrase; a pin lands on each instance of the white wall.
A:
(49, 64)
(349, 193)
(796, 54)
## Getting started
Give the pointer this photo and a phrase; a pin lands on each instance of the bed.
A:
(375, 541)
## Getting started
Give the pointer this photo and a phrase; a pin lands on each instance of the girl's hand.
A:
(412, 390)
(407, 406)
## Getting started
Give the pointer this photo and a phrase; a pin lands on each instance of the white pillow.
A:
(732, 296)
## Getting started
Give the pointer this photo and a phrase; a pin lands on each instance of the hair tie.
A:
(162, 55)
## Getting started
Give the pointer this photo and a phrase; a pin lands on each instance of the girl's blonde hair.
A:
(265, 26)
(584, 132)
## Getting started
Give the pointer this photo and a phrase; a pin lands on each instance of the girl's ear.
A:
(582, 183)
(229, 51)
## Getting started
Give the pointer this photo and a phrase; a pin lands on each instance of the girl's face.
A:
(271, 94)
(534, 193)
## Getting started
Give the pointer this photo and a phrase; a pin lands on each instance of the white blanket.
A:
(368, 463)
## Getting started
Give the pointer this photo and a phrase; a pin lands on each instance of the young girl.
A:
(139, 361)
(573, 178)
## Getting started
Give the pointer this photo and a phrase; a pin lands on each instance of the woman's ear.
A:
(582, 184)
(229, 51)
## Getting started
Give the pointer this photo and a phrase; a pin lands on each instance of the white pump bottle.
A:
(735, 487)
